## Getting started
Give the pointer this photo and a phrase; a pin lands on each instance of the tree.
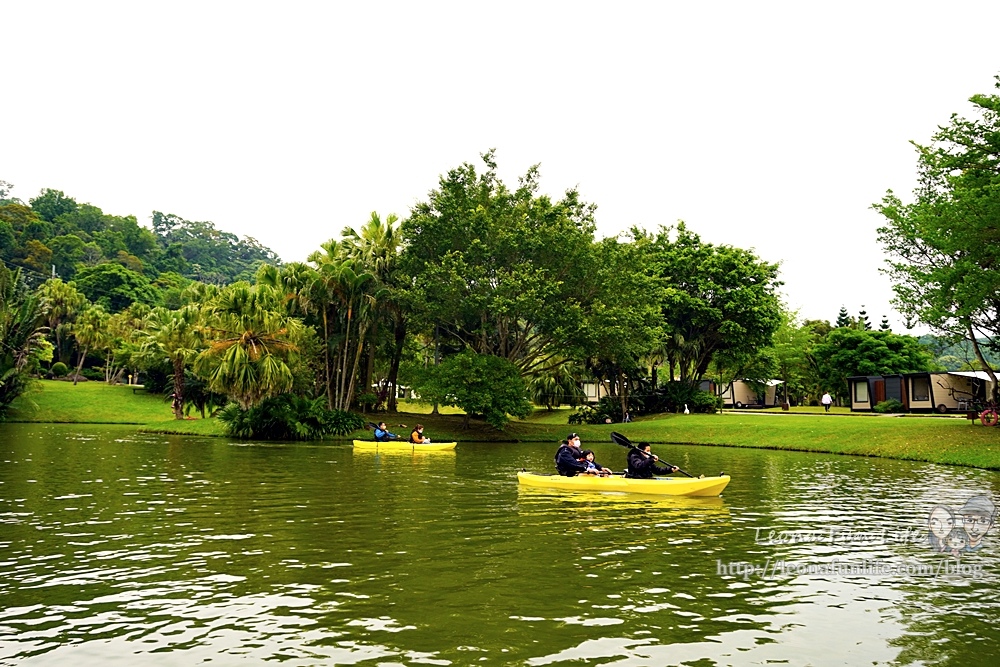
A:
(716, 299)
(943, 246)
(500, 271)
(50, 204)
(843, 319)
(173, 336)
(480, 384)
(251, 342)
(619, 331)
(377, 246)
(792, 348)
(60, 304)
(863, 322)
(846, 352)
(90, 331)
(21, 335)
(115, 287)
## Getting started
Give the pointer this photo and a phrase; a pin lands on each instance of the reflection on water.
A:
(153, 550)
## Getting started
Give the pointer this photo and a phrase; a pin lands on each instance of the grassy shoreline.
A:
(949, 440)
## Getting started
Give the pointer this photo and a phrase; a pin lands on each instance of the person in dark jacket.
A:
(642, 463)
(382, 433)
(569, 459)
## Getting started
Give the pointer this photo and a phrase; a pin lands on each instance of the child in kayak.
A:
(593, 467)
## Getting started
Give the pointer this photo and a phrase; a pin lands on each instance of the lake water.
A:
(123, 549)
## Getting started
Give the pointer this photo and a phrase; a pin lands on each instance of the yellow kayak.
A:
(403, 446)
(664, 486)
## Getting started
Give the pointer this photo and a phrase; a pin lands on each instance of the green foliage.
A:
(716, 299)
(889, 406)
(288, 417)
(59, 370)
(943, 249)
(673, 396)
(846, 352)
(482, 385)
(92, 374)
(606, 410)
(21, 335)
(252, 344)
(115, 287)
(503, 272)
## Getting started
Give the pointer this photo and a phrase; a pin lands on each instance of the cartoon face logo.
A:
(956, 541)
(940, 522)
(977, 518)
(955, 532)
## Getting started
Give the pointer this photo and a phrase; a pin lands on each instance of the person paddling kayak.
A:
(642, 463)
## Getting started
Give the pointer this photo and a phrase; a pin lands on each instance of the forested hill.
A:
(958, 356)
(54, 230)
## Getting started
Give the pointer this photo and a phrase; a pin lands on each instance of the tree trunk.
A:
(178, 403)
(79, 366)
(326, 360)
(397, 355)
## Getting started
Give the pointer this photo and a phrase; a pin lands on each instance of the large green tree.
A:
(846, 352)
(501, 271)
(944, 246)
(716, 299)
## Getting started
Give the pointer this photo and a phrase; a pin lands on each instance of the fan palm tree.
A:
(60, 304)
(90, 332)
(173, 336)
(21, 334)
(251, 340)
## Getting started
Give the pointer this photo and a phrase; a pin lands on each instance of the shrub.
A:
(705, 401)
(288, 417)
(609, 407)
(889, 406)
(92, 374)
(59, 370)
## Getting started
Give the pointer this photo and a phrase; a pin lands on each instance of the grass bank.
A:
(948, 440)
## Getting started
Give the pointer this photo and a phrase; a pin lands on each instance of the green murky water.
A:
(155, 550)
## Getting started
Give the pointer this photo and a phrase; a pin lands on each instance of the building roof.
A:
(979, 375)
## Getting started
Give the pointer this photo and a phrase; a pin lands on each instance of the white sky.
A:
(764, 125)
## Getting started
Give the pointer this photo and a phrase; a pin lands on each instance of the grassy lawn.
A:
(947, 440)
(88, 403)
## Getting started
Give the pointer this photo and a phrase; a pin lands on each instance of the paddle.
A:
(620, 439)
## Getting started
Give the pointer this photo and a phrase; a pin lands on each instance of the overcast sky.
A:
(764, 125)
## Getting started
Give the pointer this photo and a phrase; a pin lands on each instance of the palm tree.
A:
(174, 336)
(21, 334)
(251, 340)
(377, 246)
(90, 332)
(343, 293)
(60, 304)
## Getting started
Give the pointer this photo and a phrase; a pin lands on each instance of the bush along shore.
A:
(952, 441)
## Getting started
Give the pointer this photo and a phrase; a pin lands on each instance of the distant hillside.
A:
(53, 230)
(957, 356)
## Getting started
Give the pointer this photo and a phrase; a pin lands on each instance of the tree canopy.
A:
(944, 246)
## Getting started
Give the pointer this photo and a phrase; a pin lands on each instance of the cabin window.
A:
(921, 389)
(860, 392)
